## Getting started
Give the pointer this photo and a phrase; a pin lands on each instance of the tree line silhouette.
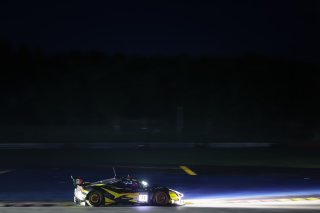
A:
(249, 98)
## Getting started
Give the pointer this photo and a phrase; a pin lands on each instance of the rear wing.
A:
(77, 181)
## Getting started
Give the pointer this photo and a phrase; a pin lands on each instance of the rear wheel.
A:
(161, 198)
(95, 199)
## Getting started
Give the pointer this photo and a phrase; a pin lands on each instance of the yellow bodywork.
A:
(116, 195)
(108, 201)
(174, 196)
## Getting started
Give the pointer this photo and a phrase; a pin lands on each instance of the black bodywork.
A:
(124, 190)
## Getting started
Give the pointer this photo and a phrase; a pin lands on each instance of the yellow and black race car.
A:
(124, 190)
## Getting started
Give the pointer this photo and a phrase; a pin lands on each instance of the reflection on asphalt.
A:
(153, 210)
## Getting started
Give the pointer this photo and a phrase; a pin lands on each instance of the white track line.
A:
(5, 172)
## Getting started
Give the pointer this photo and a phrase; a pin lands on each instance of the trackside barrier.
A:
(128, 145)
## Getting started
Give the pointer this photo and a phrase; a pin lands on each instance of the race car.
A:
(125, 190)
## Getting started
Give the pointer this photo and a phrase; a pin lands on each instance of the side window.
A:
(132, 184)
(135, 185)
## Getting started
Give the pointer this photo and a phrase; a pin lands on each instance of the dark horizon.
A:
(286, 29)
(227, 69)
(119, 98)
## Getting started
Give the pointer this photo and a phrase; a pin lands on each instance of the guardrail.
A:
(131, 145)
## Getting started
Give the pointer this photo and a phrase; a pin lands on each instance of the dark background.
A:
(227, 88)
(160, 71)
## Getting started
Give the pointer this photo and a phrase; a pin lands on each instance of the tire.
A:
(95, 198)
(161, 198)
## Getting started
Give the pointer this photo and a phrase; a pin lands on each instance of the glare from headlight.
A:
(144, 183)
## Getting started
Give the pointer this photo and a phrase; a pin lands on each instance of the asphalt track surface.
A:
(54, 184)
(155, 210)
(225, 189)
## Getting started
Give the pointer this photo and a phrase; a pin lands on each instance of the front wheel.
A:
(161, 198)
(95, 198)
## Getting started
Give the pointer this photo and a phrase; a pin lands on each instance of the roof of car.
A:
(107, 181)
(113, 180)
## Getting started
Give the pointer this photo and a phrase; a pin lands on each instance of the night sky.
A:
(288, 29)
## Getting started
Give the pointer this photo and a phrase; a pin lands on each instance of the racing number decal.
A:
(143, 198)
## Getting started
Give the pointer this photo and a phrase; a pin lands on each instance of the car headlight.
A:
(144, 183)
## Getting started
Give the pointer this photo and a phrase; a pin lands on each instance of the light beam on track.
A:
(265, 204)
